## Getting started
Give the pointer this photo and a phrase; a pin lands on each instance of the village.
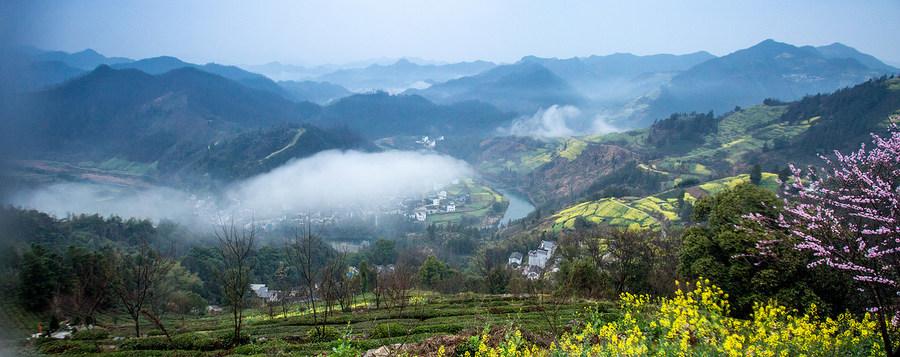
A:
(539, 261)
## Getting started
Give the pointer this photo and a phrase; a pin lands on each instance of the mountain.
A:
(142, 117)
(257, 151)
(523, 87)
(769, 69)
(380, 114)
(288, 72)
(85, 60)
(615, 79)
(839, 50)
(43, 74)
(688, 147)
(316, 92)
(402, 74)
(163, 64)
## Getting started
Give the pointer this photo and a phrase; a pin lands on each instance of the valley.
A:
(300, 189)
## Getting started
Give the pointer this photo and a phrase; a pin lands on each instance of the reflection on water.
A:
(519, 207)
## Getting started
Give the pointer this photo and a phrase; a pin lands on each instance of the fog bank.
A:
(558, 121)
(330, 180)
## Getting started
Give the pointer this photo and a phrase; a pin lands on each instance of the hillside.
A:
(690, 146)
(380, 114)
(163, 64)
(143, 117)
(317, 92)
(613, 80)
(402, 75)
(257, 151)
(651, 212)
(769, 69)
(522, 87)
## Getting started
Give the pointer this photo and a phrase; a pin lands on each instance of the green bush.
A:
(449, 328)
(201, 342)
(327, 334)
(67, 346)
(92, 334)
(388, 329)
(146, 343)
(470, 346)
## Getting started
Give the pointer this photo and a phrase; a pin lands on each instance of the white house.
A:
(538, 258)
(260, 290)
(442, 194)
(515, 259)
(451, 207)
(548, 245)
(421, 215)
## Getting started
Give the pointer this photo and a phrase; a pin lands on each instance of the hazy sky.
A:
(308, 32)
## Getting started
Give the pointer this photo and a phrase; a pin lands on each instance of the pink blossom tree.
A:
(847, 215)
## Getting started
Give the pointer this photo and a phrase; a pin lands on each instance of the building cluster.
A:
(536, 262)
(436, 203)
(262, 292)
(428, 142)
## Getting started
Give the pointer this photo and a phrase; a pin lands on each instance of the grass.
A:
(609, 211)
(572, 148)
(367, 328)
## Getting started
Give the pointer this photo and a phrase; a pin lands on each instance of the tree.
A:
(303, 256)
(719, 250)
(139, 275)
(847, 216)
(92, 274)
(756, 174)
(400, 283)
(630, 260)
(433, 271)
(235, 249)
(383, 252)
(39, 279)
(283, 285)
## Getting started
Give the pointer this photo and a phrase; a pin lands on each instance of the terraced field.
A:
(650, 212)
(428, 315)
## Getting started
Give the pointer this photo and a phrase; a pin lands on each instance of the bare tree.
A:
(382, 277)
(282, 284)
(302, 255)
(400, 283)
(235, 249)
(139, 274)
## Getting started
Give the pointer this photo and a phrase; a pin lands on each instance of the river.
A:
(519, 206)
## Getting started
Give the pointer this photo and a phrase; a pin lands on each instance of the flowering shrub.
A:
(696, 322)
(847, 215)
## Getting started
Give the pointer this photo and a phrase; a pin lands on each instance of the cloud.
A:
(335, 180)
(558, 121)
(89, 198)
(329, 180)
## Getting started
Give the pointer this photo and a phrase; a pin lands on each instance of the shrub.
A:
(697, 322)
(449, 328)
(201, 342)
(388, 329)
(92, 334)
(67, 346)
(327, 334)
(146, 343)
(469, 347)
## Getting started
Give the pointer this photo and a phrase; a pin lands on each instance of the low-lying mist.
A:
(327, 181)
(334, 180)
(559, 121)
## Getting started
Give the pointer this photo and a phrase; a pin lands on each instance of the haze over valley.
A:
(350, 179)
